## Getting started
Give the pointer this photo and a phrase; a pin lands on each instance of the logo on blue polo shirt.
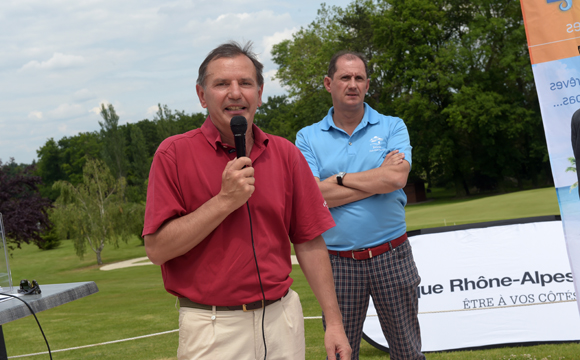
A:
(567, 7)
(378, 144)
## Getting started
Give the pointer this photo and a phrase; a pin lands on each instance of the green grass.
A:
(132, 302)
(450, 211)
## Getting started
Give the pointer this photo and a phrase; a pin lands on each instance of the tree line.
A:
(90, 187)
(458, 73)
(126, 149)
(98, 180)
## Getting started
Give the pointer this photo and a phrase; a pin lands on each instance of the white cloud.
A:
(97, 109)
(84, 94)
(57, 61)
(226, 17)
(152, 110)
(272, 86)
(35, 115)
(234, 25)
(268, 42)
(65, 111)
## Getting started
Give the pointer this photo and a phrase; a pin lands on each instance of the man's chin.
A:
(354, 101)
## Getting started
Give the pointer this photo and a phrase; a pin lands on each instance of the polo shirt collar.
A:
(213, 136)
(328, 121)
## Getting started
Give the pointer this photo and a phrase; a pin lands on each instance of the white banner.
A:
(507, 284)
(553, 33)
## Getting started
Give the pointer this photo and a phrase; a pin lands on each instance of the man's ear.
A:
(260, 95)
(327, 82)
(201, 95)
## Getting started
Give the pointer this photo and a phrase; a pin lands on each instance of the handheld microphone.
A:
(239, 125)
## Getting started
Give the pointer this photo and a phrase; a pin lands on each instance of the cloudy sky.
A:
(60, 59)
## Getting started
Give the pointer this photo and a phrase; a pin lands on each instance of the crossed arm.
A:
(390, 176)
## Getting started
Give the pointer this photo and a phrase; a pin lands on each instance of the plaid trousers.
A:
(391, 279)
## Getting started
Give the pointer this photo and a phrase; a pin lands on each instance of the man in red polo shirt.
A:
(219, 227)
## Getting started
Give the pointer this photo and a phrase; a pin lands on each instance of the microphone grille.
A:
(239, 125)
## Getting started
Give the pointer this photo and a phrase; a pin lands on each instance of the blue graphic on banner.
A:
(562, 7)
(569, 202)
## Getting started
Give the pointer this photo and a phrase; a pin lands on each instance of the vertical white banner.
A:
(553, 33)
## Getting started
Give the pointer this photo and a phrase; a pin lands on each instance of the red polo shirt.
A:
(186, 172)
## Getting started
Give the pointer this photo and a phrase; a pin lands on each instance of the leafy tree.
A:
(171, 123)
(92, 212)
(113, 141)
(302, 64)
(139, 164)
(189, 122)
(275, 116)
(51, 240)
(139, 167)
(49, 168)
(149, 131)
(23, 209)
(64, 160)
(74, 153)
(134, 218)
(166, 122)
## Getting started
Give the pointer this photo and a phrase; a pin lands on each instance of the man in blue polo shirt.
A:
(361, 160)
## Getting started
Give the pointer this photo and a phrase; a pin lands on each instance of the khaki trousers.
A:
(224, 335)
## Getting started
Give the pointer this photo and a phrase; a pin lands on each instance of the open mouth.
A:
(235, 108)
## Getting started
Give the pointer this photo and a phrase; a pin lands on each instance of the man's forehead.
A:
(349, 62)
(350, 65)
(241, 66)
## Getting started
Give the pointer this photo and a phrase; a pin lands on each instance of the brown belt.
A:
(364, 254)
(185, 302)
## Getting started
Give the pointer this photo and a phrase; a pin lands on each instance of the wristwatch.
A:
(339, 177)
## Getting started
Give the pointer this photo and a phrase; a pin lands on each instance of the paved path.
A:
(127, 263)
(145, 261)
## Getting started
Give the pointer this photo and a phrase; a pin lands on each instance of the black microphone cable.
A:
(260, 279)
(33, 314)
(239, 126)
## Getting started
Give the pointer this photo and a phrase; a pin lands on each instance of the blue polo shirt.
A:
(330, 150)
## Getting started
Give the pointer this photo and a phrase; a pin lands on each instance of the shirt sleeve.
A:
(164, 196)
(303, 144)
(399, 140)
(311, 216)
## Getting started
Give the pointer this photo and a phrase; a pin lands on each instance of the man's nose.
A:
(235, 91)
(352, 83)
